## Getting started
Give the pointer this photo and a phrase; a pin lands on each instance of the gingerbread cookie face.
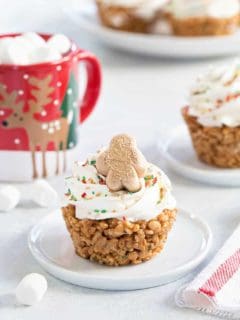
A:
(123, 164)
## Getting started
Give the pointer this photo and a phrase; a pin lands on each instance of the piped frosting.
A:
(215, 97)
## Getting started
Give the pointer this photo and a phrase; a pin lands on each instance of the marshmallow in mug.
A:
(30, 48)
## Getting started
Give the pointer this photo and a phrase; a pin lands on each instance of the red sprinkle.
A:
(83, 195)
(124, 218)
(155, 180)
(101, 181)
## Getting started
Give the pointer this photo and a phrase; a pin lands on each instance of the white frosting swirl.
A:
(215, 97)
(201, 8)
(92, 199)
(142, 8)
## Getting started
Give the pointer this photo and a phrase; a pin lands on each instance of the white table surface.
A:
(141, 96)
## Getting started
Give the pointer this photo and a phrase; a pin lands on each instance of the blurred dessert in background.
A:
(130, 15)
(205, 17)
(213, 116)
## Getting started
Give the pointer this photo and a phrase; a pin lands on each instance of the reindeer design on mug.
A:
(40, 134)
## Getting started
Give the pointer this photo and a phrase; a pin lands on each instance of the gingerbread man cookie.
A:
(122, 163)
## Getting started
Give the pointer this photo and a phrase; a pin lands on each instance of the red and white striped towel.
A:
(216, 289)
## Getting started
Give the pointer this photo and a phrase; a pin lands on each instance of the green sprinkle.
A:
(158, 201)
(96, 210)
(73, 198)
(93, 162)
(83, 178)
(148, 177)
(103, 211)
(93, 192)
(106, 195)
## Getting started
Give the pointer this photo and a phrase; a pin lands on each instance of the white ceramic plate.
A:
(181, 157)
(188, 244)
(154, 45)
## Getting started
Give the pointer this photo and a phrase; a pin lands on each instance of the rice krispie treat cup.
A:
(213, 116)
(129, 225)
(129, 15)
(205, 18)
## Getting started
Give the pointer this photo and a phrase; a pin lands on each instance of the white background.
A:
(141, 96)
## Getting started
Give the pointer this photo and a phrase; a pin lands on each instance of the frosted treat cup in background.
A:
(213, 116)
(132, 16)
(205, 18)
(40, 109)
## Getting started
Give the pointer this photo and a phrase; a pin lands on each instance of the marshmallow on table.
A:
(59, 42)
(43, 194)
(9, 198)
(31, 289)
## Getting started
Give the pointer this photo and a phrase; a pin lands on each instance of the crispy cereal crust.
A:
(204, 26)
(217, 146)
(127, 20)
(116, 242)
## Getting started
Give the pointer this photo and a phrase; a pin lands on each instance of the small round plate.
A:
(187, 246)
(181, 157)
(152, 44)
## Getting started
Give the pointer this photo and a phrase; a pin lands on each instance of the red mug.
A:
(40, 113)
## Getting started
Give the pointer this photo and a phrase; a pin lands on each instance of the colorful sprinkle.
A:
(101, 181)
(93, 162)
(73, 198)
(148, 178)
(103, 211)
(86, 163)
(83, 195)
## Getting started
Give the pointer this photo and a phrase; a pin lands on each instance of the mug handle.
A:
(94, 79)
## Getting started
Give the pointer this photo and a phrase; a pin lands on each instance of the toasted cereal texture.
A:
(204, 26)
(121, 18)
(217, 146)
(117, 242)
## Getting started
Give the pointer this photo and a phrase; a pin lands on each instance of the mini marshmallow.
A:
(18, 51)
(31, 289)
(44, 54)
(9, 198)
(59, 42)
(43, 194)
(4, 46)
(30, 48)
(34, 38)
(14, 51)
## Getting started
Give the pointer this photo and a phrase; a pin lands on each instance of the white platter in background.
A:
(181, 157)
(153, 45)
(188, 244)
